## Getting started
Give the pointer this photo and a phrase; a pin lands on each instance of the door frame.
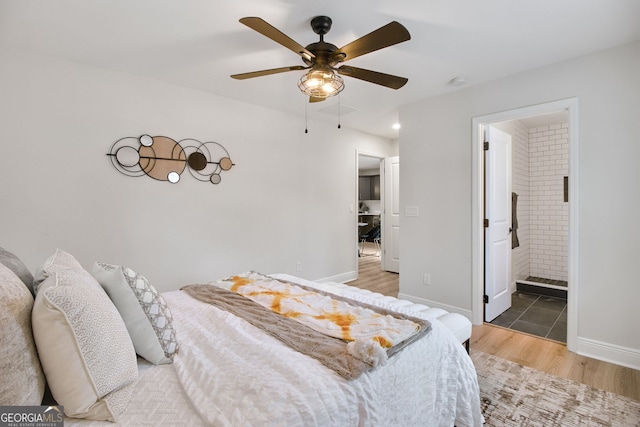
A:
(477, 208)
(381, 157)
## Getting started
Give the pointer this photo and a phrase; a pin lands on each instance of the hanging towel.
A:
(514, 221)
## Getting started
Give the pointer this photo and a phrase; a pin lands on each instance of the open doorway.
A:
(538, 223)
(378, 214)
(375, 190)
(526, 118)
(369, 214)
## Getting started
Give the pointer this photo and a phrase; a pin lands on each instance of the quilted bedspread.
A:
(230, 373)
(235, 375)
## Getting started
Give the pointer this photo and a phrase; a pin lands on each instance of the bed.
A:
(203, 365)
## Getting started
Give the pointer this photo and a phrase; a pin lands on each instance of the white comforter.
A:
(235, 375)
(229, 373)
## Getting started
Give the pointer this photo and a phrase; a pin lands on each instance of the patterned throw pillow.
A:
(85, 349)
(144, 310)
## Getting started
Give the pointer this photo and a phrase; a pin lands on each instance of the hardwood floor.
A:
(553, 358)
(539, 353)
(371, 277)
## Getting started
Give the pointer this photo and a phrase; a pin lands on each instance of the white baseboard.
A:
(434, 304)
(606, 352)
(340, 278)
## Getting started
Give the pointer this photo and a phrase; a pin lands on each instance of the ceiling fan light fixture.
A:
(321, 83)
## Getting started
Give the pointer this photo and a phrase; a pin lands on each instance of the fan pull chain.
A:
(306, 121)
(339, 99)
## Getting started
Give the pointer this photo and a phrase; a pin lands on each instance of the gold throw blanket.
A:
(345, 335)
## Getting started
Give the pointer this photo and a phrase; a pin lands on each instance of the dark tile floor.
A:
(539, 315)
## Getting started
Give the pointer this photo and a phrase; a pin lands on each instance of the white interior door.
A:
(391, 215)
(498, 213)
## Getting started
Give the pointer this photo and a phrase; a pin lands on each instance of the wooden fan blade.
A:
(253, 74)
(390, 34)
(268, 30)
(316, 99)
(388, 80)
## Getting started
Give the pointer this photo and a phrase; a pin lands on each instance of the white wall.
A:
(286, 200)
(549, 158)
(549, 155)
(520, 257)
(436, 152)
(540, 161)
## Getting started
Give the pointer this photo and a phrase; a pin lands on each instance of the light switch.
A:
(410, 211)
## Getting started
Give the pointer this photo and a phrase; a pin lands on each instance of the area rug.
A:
(515, 395)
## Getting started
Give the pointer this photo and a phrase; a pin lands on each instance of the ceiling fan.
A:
(322, 59)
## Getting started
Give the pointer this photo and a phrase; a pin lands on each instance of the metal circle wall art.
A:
(164, 159)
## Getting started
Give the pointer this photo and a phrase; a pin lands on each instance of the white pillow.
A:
(84, 346)
(146, 314)
(21, 377)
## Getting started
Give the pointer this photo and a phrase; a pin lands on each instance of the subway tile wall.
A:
(520, 257)
(549, 214)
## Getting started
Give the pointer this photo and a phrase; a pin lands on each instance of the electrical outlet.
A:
(426, 279)
(298, 266)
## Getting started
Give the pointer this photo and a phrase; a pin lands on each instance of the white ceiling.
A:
(200, 43)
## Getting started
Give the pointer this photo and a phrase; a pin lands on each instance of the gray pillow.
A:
(17, 266)
(21, 378)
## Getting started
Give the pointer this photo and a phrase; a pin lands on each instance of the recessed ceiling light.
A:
(396, 126)
(458, 81)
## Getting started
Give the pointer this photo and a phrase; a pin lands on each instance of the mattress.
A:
(229, 373)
